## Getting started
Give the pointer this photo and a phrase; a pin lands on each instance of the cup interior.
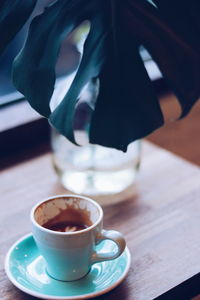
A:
(70, 209)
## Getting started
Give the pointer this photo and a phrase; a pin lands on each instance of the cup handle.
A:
(114, 236)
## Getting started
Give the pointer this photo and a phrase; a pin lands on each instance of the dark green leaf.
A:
(90, 66)
(13, 15)
(38, 58)
(182, 48)
(127, 107)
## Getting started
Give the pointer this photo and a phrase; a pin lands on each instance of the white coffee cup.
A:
(69, 255)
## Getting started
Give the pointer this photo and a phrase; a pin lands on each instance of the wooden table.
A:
(161, 223)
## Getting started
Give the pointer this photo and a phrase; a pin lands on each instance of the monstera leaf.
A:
(126, 107)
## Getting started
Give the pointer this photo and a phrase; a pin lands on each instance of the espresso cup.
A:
(66, 229)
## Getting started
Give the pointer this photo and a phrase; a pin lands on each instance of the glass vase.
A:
(104, 174)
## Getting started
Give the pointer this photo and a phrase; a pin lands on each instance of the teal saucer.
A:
(25, 268)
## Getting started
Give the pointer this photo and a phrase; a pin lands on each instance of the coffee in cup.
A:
(67, 229)
(69, 220)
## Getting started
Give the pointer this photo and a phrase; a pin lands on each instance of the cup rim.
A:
(66, 233)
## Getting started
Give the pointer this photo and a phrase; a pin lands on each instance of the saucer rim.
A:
(53, 297)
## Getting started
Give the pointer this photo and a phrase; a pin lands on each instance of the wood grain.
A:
(161, 222)
(181, 137)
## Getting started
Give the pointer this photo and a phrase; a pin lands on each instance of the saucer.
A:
(25, 268)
